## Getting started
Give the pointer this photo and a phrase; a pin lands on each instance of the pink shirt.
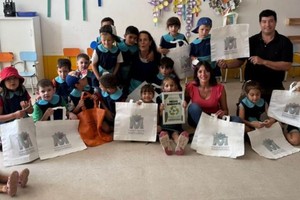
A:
(210, 105)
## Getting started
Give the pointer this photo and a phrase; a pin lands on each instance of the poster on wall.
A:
(230, 42)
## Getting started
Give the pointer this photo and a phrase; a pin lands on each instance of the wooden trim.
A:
(293, 21)
(294, 38)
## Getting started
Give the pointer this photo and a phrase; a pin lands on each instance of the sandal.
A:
(12, 184)
(23, 178)
(165, 142)
(182, 142)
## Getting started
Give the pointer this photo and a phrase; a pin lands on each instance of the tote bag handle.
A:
(86, 95)
(64, 114)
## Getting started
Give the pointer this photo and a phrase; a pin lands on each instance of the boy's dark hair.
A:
(249, 85)
(83, 55)
(167, 62)
(64, 62)
(173, 21)
(132, 30)
(108, 19)
(109, 81)
(268, 13)
(44, 83)
(147, 88)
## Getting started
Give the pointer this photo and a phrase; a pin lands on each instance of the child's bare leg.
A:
(23, 178)
(106, 128)
(3, 178)
(182, 142)
(12, 184)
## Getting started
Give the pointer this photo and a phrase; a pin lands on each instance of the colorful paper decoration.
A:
(187, 9)
(222, 7)
(84, 10)
(67, 15)
(158, 7)
(99, 3)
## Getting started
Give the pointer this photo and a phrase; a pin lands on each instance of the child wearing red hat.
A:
(14, 100)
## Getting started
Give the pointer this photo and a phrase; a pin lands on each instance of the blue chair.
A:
(27, 57)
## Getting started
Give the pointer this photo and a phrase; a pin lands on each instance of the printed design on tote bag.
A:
(24, 141)
(220, 142)
(291, 110)
(136, 125)
(272, 146)
(185, 62)
(60, 141)
(230, 45)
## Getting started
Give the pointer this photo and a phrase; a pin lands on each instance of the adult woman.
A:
(206, 95)
(145, 63)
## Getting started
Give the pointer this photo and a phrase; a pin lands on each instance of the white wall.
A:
(58, 33)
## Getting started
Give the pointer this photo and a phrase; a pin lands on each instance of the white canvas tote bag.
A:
(58, 137)
(135, 122)
(218, 137)
(285, 105)
(19, 142)
(182, 61)
(270, 142)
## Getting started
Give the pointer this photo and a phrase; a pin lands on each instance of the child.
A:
(293, 133)
(78, 81)
(166, 68)
(110, 94)
(15, 102)
(174, 131)
(200, 47)
(106, 57)
(147, 94)
(46, 101)
(9, 184)
(106, 21)
(128, 48)
(252, 107)
(83, 62)
(170, 39)
(59, 82)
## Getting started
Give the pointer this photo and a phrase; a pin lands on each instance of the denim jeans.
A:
(194, 114)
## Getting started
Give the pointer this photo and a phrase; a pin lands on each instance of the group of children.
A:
(109, 82)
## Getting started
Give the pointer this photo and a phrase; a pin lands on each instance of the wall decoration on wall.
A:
(99, 3)
(185, 9)
(67, 14)
(84, 10)
(48, 8)
(158, 7)
(222, 7)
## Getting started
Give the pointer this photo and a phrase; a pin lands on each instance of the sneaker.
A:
(182, 142)
(165, 142)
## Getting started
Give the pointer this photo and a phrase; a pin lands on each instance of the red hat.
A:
(10, 72)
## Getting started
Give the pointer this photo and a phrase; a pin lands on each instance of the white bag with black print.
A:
(58, 137)
(219, 137)
(19, 142)
(135, 122)
(270, 142)
(285, 105)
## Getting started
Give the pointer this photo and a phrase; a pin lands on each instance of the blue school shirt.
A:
(167, 41)
(110, 99)
(62, 88)
(107, 59)
(200, 48)
(253, 111)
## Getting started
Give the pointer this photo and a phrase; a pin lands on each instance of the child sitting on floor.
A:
(9, 184)
(173, 131)
(47, 100)
(110, 94)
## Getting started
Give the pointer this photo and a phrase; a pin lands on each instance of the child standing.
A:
(128, 48)
(59, 82)
(107, 21)
(293, 133)
(110, 94)
(173, 36)
(200, 47)
(47, 100)
(173, 131)
(253, 106)
(9, 183)
(106, 57)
